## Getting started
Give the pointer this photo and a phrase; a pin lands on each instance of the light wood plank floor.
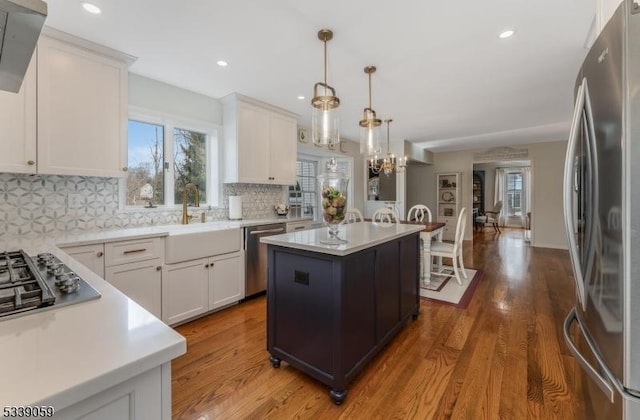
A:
(503, 357)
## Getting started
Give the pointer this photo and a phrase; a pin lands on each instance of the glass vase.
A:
(333, 201)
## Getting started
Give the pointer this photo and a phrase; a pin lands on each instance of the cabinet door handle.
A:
(31, 162)
(125, 169)
(211, 265)
(134, 251)
(158, 268)
(206, 266)
(299, 227)
(99, 254)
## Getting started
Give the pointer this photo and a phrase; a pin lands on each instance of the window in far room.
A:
(514, 194)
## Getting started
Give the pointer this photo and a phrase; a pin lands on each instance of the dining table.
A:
(431, 230)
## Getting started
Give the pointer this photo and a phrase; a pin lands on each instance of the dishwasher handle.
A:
(260, 232)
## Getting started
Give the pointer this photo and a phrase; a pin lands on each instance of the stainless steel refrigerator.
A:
(602, 217)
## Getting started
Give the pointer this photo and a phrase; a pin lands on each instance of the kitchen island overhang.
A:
(331, 309)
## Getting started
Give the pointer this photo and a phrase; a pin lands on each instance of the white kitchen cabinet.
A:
(226, 283)
(91, 256)
(259, 142)
(300, 225)
(82, 111)
(192, 288)
(448, 208)
(185, 289)
(140, 281)
(18, 122)
(70, 115)
(135, 268)
(142, 397)
(604, 11)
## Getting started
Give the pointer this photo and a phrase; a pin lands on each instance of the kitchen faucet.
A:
(185, 193)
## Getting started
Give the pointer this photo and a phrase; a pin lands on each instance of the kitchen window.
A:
(305, 195)
(163, 156)
(303, 198)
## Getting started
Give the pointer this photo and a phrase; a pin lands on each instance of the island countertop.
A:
(359, 236)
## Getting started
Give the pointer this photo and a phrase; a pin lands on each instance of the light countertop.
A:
(359, 236)
(114, 235)
(61, 356)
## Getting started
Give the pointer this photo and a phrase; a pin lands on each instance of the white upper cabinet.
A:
(259, 142)
(604, 11)
(18, 122)
(70, 115)
(82, 111)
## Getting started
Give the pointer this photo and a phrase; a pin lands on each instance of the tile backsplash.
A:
(32, 205)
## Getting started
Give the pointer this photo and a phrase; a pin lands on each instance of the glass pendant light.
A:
(389, 163)
(370, 125)
(325, 130)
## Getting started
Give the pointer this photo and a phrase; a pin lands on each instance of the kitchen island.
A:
(332, 308)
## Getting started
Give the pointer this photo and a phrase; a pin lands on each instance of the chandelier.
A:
(324, 118)
(369, 125)
(389, 163)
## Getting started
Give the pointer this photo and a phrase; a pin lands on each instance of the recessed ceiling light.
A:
(508, 33)
(300, 97)
(91, 8)
(222, 63)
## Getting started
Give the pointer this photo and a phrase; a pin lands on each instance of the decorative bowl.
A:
(281, 209)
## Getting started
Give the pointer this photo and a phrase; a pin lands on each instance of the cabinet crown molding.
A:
(88, 45)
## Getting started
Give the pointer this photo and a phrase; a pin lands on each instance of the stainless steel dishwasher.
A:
(256, 256)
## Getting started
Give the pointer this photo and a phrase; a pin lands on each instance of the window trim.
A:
(212, 132)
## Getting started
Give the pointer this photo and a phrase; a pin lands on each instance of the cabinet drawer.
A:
(295, 226)
(117, 253)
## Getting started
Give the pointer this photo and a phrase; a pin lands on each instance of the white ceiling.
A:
(444, 76)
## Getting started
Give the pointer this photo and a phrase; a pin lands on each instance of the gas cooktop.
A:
(29, 284)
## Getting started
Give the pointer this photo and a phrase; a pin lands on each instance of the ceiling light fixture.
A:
(222, 63)
(369, 125)
(324, 117)
(506, 34)
(91, 8)
(301, 97)
(389, 163)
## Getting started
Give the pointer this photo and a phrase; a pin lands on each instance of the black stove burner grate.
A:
(21, 284)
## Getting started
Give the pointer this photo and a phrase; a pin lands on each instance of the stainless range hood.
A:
(20, 24)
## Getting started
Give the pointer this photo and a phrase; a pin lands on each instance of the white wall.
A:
(547, 162)
(151, 94)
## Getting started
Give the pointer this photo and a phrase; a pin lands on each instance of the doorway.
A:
(509, 182)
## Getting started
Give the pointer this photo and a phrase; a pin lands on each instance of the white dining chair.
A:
(385, 217)
(353, 215)
(418, 213)
(453, 250)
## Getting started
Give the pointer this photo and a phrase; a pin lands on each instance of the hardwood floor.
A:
(503, 357)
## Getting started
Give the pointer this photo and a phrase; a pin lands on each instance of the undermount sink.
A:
(187, 242)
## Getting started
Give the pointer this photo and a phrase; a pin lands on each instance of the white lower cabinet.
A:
(135, 268)
(146, 396)
(185, 289)
(91, 256)
(226, 277)
(192, 288)
(140, 281)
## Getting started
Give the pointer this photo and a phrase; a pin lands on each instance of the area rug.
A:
(446, 290)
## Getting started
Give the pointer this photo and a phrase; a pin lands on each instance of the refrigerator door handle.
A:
(567, 193)
(604, 385)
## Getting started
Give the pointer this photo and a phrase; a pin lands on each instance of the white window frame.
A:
(321, 160)
(169, 122)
